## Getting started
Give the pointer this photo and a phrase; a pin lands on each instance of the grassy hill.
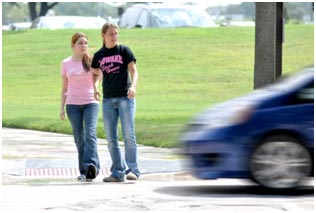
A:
(181, 72)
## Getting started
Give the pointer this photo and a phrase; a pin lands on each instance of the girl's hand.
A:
(62, 115)
(131, 92)
(97, 95)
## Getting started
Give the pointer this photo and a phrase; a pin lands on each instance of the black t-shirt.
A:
(113, 64)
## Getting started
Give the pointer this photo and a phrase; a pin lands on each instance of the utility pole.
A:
(269, 37)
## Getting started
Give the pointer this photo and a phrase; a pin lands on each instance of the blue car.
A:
(266, 135)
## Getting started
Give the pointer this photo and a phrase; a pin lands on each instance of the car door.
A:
(305, 107)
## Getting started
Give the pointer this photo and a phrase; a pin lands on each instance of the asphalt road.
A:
(156, 192)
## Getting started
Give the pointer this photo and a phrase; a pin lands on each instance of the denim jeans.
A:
(114, 109)
(83, 119)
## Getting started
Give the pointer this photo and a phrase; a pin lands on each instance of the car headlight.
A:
(226, 116)
(241, 115)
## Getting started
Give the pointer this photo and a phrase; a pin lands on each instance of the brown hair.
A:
(105, 28)
(86, 60)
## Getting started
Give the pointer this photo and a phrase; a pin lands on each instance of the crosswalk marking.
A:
(59, 172)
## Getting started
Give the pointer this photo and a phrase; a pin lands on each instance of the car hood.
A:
(251, 100)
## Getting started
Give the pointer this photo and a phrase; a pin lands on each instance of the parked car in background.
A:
(266, 136)
(20, 25)
(6, 27)
(61, 22)
(164, 15)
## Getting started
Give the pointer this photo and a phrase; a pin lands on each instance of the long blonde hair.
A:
(86, 59)
(107, 26)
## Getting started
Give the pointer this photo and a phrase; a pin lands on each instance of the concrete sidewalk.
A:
(29, 153)
(39, 171)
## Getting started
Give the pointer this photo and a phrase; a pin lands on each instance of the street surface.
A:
(150, 193)
(39, 175)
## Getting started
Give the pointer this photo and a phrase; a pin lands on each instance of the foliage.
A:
(19, 12)
(293, 11)
(181, 72)
(14, 12)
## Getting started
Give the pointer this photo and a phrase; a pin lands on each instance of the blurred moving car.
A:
(266, 136)
(61, 22)
(164, 15)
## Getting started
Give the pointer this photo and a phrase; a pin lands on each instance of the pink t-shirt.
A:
(80, 86)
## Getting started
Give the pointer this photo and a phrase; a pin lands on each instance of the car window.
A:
(289, 81)
(178, 17)
(169, 17)
(306, 94)
(159, 21)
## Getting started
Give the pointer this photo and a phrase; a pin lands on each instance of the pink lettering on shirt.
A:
(107, 64)
(111, 59)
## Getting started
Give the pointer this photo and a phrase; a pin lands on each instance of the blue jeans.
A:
(83, 119)
(114, 109)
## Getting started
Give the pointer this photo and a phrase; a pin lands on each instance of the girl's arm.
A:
(134, 77)
(63, 97)
(96, 76)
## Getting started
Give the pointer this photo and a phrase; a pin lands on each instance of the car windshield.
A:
(295, 79)
(179, 17)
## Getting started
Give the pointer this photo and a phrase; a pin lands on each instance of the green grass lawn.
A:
(181, 72)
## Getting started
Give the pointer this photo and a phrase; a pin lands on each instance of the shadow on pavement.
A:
(233, 191)
(55, 182)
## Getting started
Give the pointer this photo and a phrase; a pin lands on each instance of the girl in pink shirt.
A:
(82, 107)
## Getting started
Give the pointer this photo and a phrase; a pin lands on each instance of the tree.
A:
(44, 7)
(14, 12)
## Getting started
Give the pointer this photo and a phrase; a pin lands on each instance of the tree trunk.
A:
(44, 9)
(32, 9)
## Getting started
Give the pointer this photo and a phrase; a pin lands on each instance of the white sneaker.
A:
(131, 176)
(81, 178)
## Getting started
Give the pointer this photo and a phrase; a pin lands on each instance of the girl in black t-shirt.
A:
(117, 64)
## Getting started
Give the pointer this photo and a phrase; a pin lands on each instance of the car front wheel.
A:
(280, 162)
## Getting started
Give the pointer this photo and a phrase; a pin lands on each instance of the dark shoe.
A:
(112, 179)
(92, 172)
(131, 176)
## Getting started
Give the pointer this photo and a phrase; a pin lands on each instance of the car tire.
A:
(280, 162)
